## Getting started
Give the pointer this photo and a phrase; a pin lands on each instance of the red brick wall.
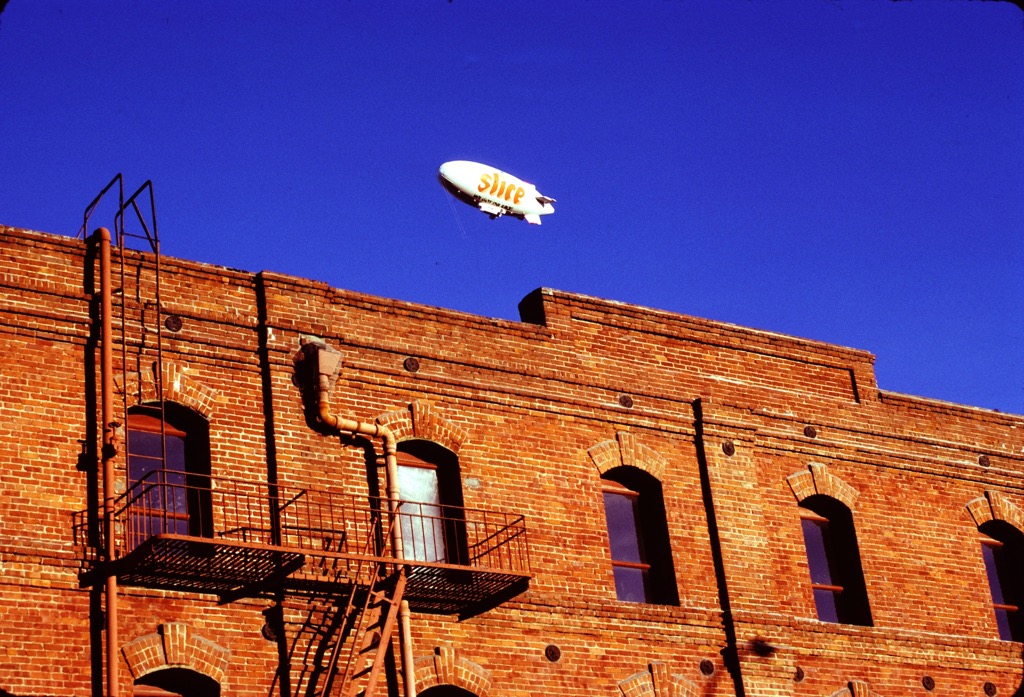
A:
(525, 405)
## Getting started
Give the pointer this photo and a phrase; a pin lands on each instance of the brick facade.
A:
(738, 425)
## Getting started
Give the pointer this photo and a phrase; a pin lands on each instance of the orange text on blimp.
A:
(505, 190)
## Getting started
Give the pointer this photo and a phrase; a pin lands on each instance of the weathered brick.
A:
(532, 411)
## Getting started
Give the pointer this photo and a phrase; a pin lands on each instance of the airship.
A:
(494, 192)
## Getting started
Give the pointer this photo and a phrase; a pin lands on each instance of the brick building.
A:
(601, 499)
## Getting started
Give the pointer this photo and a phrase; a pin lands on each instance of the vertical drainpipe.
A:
(328, 365)
(109, 450)
(730, 654)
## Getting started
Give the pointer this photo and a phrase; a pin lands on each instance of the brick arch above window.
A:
(856, 688)
(818, 480)
(420, 421)
(626, 450)
(995, 505)
(446, 667)
(179, 386)
(176, 645)
(656, 681)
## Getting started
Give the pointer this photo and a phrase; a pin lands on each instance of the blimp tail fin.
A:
(541, 198)
(532, 218)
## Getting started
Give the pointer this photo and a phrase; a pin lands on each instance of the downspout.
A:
(109, 451)
(730, 653)
(328, 363)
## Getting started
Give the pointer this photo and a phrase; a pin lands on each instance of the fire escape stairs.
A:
(354, 639)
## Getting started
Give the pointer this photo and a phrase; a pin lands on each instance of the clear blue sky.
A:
(846, 171)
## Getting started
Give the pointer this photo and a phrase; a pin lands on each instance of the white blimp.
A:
(494, 192)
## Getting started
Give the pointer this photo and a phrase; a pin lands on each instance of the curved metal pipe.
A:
(374, 430)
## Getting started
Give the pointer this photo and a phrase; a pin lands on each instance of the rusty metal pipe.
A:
(406, 648)
(374, 430)
(108, 452)
(366, 428)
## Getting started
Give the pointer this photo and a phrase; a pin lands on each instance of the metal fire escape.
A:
(334, 550)
(247, 539)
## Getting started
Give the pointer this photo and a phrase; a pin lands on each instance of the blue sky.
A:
(845, 171)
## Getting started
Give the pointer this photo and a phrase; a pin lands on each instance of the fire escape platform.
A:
(238, 539)
(203, 565)
(447, 589)
(233, 569)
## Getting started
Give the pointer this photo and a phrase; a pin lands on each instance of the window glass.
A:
(420, 484)
(833, 560)
(169, 496)
(817, 554)
(1002, 551)
(638, 537)
(817, 543)
(631, 584)
(1004, 623)
(825, 604)
(144, 444)
(432, 516)
(422, 522)
(990, 552)
(144, 456)
(623, 535)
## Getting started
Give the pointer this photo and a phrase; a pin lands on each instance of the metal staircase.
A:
(354, 631)
(371, 638)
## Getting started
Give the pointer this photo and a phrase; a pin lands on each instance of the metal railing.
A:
(315, 522)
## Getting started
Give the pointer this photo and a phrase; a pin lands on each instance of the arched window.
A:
(1002, 548)
(638, 537)
(433, 516)
(175, 682)
(168, 472)
(446, 691)
(834, 560)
